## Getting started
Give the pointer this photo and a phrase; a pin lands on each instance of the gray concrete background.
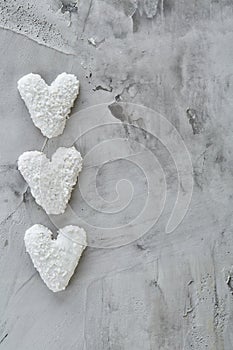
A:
(162, 291)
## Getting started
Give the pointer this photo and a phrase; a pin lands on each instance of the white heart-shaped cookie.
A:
(49, 106)
(55, 259)
(51, 182)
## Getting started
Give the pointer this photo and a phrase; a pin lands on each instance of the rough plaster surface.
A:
(162, 291)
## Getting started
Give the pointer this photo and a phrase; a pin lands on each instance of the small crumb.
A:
(92, 41)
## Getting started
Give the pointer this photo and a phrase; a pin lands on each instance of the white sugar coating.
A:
(49, 106)
(56, 259)
(51, 182)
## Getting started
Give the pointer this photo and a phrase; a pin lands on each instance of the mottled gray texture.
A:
(163, 291)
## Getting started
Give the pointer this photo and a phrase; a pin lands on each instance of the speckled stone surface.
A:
(145, 289)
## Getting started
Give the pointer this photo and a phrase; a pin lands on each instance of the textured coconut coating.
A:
(49, 106)
(55, 259)
(51, 182)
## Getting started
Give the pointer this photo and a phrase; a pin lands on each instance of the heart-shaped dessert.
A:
(49, 106)
(55, 259)
(51, 182)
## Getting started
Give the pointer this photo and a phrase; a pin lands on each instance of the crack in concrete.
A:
(100, 87)
(5, 336)
(25, 283)
(86, 18)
